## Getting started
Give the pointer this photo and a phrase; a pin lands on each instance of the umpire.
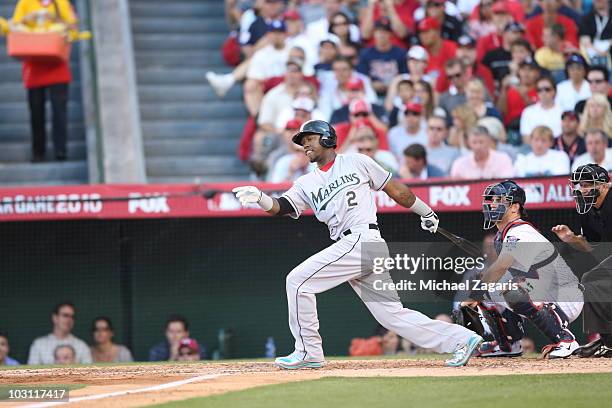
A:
(591, 191)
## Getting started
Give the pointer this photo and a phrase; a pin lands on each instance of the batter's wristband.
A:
(265, 201)
(420, 208)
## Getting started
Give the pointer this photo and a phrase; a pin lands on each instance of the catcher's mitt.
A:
(469, 318)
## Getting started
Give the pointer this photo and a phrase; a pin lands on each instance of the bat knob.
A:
(429, 223)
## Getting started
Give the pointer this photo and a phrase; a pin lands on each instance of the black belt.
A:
(349, 232)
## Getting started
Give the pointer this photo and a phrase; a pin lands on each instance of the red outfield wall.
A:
(216, 200)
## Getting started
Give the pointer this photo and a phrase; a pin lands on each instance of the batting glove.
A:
(430, 222)
(252, 195)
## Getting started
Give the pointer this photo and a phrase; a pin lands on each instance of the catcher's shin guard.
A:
(506, 327)
(547, 317)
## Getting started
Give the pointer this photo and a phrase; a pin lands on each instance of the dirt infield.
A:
(141, 385)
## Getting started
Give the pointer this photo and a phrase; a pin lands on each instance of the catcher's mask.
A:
(496, 200)
(585, 182)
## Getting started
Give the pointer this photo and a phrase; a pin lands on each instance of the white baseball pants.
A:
(342, 262)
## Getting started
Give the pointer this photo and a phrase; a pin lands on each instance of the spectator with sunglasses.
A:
(43, 348)
(546, 112)
(104, 349)
(440, 154)
(367, 143)
(360, 114)
(598, 78)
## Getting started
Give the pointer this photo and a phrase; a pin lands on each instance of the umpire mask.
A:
(585, 183)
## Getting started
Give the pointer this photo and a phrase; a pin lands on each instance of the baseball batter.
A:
(340, 191)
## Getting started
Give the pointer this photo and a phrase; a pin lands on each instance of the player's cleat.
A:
(563, 349)
(463, 354)
(295, 361)
(492, 349)
(220, 83)
(595, 349)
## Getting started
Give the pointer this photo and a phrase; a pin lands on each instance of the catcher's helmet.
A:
(584, 181)
(497, 198)
(318, 127)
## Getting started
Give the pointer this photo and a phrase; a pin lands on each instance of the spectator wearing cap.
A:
(466, 52)
(450, 8)
(104, 350)
(355, 89)
(440, 154)
(415, 166)
(269, 61)
(328, 52)
(189, 350)
(550, 55)
(543, 113)
(416, 61)
(501, 18)
(598, 78)
(176, 329)
(570, 141)
(550, 15)
(302, 108)
(360, 114)
(255, 36)
(475, 94)
(542, 160)
(482, 161)
(383, 61)
(597, 151)
(296, 37)
(318, 29)
(438, 49)
(63, 318)
(596, 34)
(515, 96)
(397, 12)
(410, 132)
(367, 143)
(575, 88)
(498, 60)
(452, 27)
(334, 93)
(5, 350)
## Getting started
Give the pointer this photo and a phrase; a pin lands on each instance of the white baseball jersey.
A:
(545, 274)
(342, 196)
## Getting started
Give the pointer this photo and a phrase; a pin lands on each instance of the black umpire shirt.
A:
(597, 223)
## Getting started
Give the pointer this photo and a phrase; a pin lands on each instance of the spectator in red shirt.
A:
(360, 114)
(550, 16)
(438, 49)
(466, 52)
(399, 13)
(501, 18)
(451, 26)
(514, 97)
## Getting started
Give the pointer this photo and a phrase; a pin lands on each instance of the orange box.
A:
(38, 46)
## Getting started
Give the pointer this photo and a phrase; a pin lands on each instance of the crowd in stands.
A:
(464, 89)
(62, 347)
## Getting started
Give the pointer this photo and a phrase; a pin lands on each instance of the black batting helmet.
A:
(590, 176)
(317, 127)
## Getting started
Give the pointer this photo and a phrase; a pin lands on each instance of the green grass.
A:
(524, 391)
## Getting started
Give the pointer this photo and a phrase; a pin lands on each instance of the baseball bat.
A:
(460, 242)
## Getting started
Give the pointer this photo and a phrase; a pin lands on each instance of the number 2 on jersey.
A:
(351, 199)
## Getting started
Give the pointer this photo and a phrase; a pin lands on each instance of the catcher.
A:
(547, 292)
